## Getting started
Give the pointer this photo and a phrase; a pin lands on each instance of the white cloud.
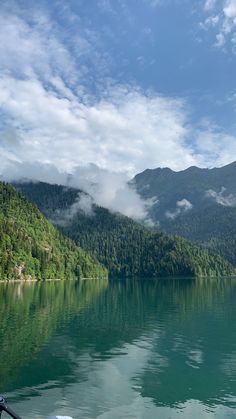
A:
(111, 190)
(33, 44)
(217, 147)
(220, 40)
(84, 203)
(56, 120)
(223, 18)
(105, 188)
(209, 4)
(128, 130)
(184, 205)
(50, 119)
(221, 198)
(181, 207)
(210, 22)
(230, 9)
(28, 49)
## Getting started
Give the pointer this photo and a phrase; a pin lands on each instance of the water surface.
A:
(119, 349)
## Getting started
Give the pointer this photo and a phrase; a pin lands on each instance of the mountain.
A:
(126, 248)
(198, 204)
(30, 247)
(192, 184)
(213, 228)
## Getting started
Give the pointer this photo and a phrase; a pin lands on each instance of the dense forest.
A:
(211, 222)
(30, 247)
(213, 228)
(126, 248)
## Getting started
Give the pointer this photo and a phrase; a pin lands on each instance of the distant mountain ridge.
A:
(126, 248)
(191, 184)
(198, 204)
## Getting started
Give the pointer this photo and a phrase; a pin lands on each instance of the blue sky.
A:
(120, 84)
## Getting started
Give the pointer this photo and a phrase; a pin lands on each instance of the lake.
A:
(119, 349)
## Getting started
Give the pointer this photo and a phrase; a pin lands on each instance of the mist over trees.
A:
(126, 248)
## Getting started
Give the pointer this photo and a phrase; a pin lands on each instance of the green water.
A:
(123, 349)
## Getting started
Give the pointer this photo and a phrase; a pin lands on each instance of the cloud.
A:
(126, 130)
(84, 203)
(52, 118)
(181, 207)
(230, 9)
(216, 146)
(184, 205)
(209, 4)
(221, 198)
(220, 40)
(111, 190)
(28, 49)
(222, 18)
(102, 187)
(35, 45)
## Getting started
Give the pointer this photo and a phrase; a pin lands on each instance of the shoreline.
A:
(47, 280)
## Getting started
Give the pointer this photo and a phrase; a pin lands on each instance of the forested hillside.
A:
(213, 228)
(123, 246)
(207, 218)
(31, 248)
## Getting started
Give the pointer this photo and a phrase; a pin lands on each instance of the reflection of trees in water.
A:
(199, 348)
(30, 313)
(135, 305)
(188, 323)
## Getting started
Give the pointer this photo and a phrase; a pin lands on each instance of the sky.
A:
(116, 86)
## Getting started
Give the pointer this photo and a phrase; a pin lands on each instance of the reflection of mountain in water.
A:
(164, 341)
(31, 312)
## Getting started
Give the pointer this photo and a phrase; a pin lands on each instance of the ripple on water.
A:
(154, 349)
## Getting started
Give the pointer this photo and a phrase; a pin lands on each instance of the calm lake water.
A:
(119, 349)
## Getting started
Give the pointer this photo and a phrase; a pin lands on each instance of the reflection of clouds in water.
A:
(111, 389)
(108, 387)
(228, 365)
(151, 377)
(194, 355)
(178, 344)
(194, 358)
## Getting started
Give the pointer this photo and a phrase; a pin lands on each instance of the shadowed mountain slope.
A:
(198, 204)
